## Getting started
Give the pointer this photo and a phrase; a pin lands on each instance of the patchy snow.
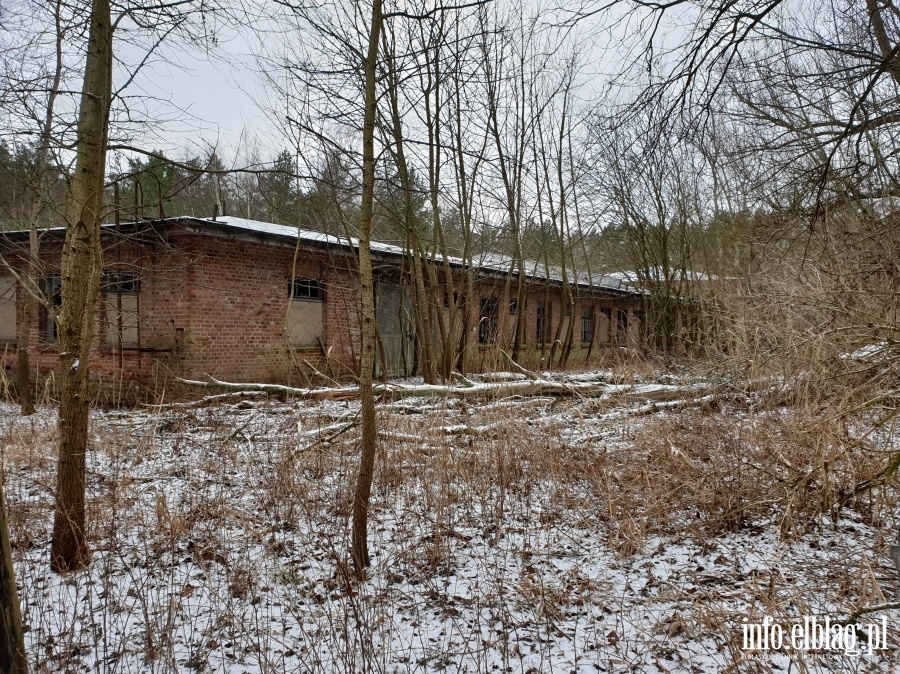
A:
(878, 351)
(220, 538)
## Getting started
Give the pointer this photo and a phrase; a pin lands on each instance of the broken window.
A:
(306, 312)
(622, 327)
(122, 295)
(7, 308)
(306, 289)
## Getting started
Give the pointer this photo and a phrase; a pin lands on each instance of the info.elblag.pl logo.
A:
(815, 636)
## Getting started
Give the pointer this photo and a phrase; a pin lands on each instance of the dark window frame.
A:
(622, 326)
(488, 320)
(306, 289)
(124, 282)
(544, 323)
(587, 324)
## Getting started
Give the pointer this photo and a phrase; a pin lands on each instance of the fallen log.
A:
(472, 390)
(503, 389)
(337, 392)
(486, 431)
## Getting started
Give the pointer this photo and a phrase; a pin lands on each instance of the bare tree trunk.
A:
(367, 357)
(81, 267)
(447, 325)
(24, 385)
(565, 234)
(465, 178)
(511, 171)
(12, 640)
(424, 326)
(423, 313)
(30, 305)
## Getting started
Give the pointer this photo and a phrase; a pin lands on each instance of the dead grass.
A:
(220, 536)
(707, 474)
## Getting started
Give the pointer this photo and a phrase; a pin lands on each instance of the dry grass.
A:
(519, 533)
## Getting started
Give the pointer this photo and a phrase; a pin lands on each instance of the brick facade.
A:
(215, 301)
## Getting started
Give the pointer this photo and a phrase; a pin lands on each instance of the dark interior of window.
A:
(587, 324)
(487, 325)
(306, 289)
(125, 282)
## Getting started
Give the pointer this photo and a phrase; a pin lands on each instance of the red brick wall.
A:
(486, 357)
(236, 299)
(213, 305)
(216, 305)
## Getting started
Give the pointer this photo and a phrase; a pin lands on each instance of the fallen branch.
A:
(399, 437)
(277, 389)
(518, 368)
(472, 390)
(487, 430)
(872, 609)
(325, 441)
(207, 400)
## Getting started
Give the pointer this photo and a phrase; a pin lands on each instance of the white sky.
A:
(226, 99)
(204, 99)
(199, 99)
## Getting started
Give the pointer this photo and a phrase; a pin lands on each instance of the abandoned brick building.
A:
(243, 300)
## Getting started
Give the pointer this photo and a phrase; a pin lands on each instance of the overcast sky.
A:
(203, 99)
(226, 98)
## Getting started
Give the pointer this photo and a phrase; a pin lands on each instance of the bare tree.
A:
(12, 640)
(32, 72)
(363, 491)
(32, 296)
(423, 302)
(508, 79)
(81, 269)
(654, 195)
(468, 151)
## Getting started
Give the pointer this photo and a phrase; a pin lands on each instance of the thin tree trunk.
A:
(447, 325)
(512, 184)
(367, 357)
(12, 639)
(465, 199)
(81, 267)
(24, 385)
(30, 305)
(424, 326)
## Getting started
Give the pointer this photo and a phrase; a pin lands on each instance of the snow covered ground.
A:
(515, 535)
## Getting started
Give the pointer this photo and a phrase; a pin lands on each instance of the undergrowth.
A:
(516, 534)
